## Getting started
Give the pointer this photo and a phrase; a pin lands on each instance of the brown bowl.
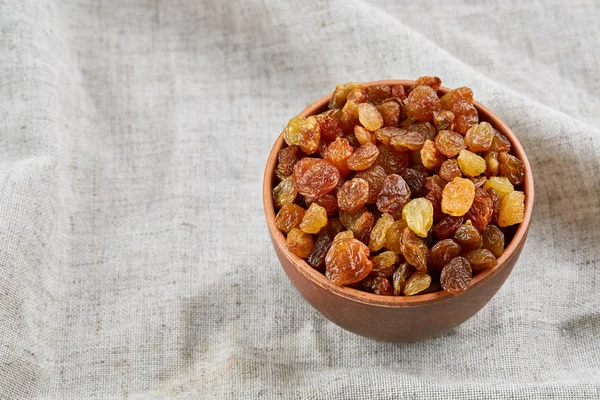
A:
(397, 318)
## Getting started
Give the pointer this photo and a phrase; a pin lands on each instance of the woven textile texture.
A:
(134, 256)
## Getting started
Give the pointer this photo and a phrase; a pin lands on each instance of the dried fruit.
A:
(375, 176)
(292, 130)
(394, 194)
(447, 226)
(314, 177)
(493, 240)
(369, 117)
(363, 226)
(285, 192)
(377, 93)
(347, 262)
(337, 154)
(456, 275)
(363, 135)
(415, 251)
(299, 243)
(414, 178)
(481, 210)
(406, 140)
(459, 102)
(390, 111)
(432, 81)
(491, 164)
(330, 127)
(398, 91)
(480, 137)
(289, 217)
(418, 214)
(443, 120)
(457, 197)
(349, 219)
(449, 143)
(316, 259)
(417, 282)
(309, 136)
(338, 99)
(400, 277)
(378, 284)
(470, 163)
(512, 209)
(496, 200)
(314, 219)
(435, 198)
(353, 195)
(481, 259)
(344, 235)
(512, 168)
(442, 252)
(422, 103)
(500, 142)
(384, 264)
(430, 155)
(286, 159)
(379, 231)
(500, 184)
(329, 202)
(450, 170)
(393, 237)
(468, 237)
(425, 129)
(363, 157)
(390, 160)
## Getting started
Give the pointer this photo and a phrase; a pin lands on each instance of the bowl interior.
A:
(318, 278)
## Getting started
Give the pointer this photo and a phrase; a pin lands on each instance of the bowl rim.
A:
(321, 280)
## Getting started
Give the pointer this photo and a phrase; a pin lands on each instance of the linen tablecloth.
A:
(134, 256)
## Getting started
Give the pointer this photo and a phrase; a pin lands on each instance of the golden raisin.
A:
(432, 81)
(443, 120)
(500, 184)
(491, 163)
(353, 195)
(344, 235)
(379, 231)
(512, 209)
(292, 131)
(470, 163)
(363, 226)
(406, 140)
(457, 197)
(422, 103)
(285, 192)
(500, 142)
(390, 111)
(329, 202)
(449, 143)
(418, 214)
(289, 217)
(314, 219)
(363, 157)
(369, 117)
(299, 243)
(347, 262)
(430, 155)
(385, 263)
(338, 99)
(330, 127)
(479, 137)
(363, 135)
(337, 154)
(417, 282)
(393, 236)
(415, 251)
(309, 136)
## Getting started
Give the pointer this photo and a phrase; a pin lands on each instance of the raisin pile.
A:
(397, 191)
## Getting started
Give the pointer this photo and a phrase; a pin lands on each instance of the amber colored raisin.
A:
(286, 159)
(385, 135)
(358, 95)
(285, 192)
(461, 92)
(422, 103)
(363, 226)
(457, 197)
(390, 160)
(363, 135)
(349, 117)
(406, 140)
(289, 217)
(441, 253)
(443, 120)
(314, 177)
(393, 236)
(430, 155)
(470, 163)
(347, 262)
(417, 282)
(337, 154)
(414, 178)
(512, 168)
(481, 259)
(512, 209)
(344, 235)
(369, 116)
(493, 240)
(398, 91)
(418, 214)
(435, 198)
(349, 219)
(468, 237)
(323, 145)
(390, 111)
(456, 275)
(425, 129)
(435, 178)
(500, 143)
(316, 259)
(447, 226)
(385, 263)
(375, 176)
(491, 163)
(292, 130)
(449, 170)
(379, 231)
(309, 136)
(378, 93)
(481, 210)
(496, 200)
(465, 114)
(353, 195)
(500, 184)
(314, 219)
(377, 284)
(338, 98)
(415, 251)
(330, 127)
(479, 137)
(449, 143)
(401, 275)
(432, 81)
(394, 194)
(363, 157)
(299, 243)
(329, 202)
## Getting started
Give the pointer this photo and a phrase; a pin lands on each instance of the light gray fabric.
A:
(134, 256)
